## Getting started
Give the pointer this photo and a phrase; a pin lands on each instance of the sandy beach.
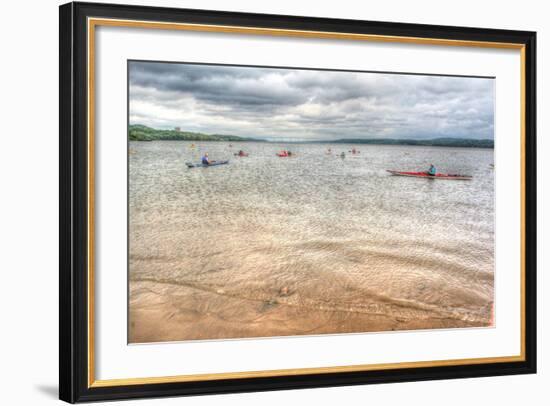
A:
(166, 312)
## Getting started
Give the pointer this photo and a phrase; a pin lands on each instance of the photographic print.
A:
(359, 196)
(271, 201)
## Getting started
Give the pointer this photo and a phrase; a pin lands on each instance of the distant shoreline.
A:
(139, 132)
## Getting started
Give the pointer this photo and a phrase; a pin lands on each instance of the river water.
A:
(311, 244)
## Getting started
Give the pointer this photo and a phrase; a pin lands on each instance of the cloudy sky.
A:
(297, 104)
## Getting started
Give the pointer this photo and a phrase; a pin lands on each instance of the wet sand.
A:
(166, 312)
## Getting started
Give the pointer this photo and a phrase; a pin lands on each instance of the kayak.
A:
(447, 176)
(201, 165)
(284, 155)
(241, 155)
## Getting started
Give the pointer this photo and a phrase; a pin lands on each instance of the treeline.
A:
(435, 142)
(138, 132)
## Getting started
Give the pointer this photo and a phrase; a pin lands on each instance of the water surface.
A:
(269, 246)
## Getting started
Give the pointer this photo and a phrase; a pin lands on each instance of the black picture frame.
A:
(74, 385)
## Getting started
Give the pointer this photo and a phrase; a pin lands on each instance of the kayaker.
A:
(205, 159)
(432, 171)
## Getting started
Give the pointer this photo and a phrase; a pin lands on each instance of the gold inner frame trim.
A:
(94, 22)
(228, 29)
(300, 371)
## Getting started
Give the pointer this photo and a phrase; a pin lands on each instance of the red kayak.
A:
(436, 176)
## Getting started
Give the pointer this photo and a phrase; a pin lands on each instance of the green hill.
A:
(138, 132)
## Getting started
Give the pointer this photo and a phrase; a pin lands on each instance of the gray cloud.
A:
(306, 104)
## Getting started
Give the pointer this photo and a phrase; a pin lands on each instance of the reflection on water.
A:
(310, 244)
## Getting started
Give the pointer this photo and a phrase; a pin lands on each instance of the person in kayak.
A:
(432, 171)
(205, 159)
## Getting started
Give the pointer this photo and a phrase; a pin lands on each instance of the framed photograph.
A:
(258, 202)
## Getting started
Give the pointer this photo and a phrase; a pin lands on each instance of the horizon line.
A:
(304, 140)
